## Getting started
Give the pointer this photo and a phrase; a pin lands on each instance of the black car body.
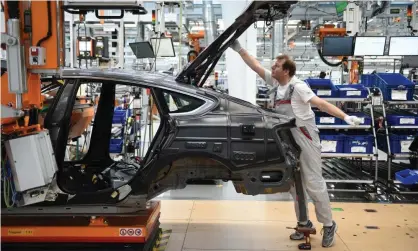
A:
(217, 137)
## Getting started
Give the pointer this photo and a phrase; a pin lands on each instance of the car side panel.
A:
(248, 133)
(241, 141)
(202, 134)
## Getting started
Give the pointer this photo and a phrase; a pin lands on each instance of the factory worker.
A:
(294, 98)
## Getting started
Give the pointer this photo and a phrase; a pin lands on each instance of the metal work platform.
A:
(349, 179)
(397, 192)
(120, 232)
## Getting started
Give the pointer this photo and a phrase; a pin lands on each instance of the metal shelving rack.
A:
(343, 175)
(394, 185)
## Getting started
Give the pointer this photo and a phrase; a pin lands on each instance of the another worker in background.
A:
(322, 75)
(294, 98)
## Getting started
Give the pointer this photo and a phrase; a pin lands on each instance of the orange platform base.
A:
(114, 229)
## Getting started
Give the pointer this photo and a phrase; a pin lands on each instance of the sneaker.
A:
(329, 235)
(297, 236)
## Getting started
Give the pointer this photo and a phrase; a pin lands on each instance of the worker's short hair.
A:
(288, 64)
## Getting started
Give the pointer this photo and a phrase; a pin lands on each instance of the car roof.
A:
(154, 79)
(130, 76)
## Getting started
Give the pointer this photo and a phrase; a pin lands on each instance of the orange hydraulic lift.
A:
(139, 231)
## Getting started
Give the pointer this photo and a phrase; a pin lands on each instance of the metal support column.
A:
(72, 51)
(180, 32)
(121, 45)
(278, 42)
(209, 22)
(15, 61)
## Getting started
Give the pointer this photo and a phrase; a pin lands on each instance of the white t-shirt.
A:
(300, 97)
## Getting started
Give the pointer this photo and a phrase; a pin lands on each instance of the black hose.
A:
(365, 25)
(326, 62)
(381, 9)
(49, 33)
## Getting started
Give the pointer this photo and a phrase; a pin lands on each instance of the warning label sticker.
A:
(19, 232)
(130, 232)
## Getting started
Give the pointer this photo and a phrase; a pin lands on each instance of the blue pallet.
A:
(116, 145)
(322, 118)
(368, 80)
(395, 87)
(366, 119)
(352, 91)
(332, 143)
(407, 176)
(401, 120)
(322, 87)
(361, 144)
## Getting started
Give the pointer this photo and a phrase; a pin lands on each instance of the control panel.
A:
(37, 55)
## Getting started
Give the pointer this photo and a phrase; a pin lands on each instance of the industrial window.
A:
(181, 103)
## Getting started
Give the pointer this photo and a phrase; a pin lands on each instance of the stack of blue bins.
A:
(334, 142)
(399, 140)
(352, 142)
(119, 117)
(359, 142)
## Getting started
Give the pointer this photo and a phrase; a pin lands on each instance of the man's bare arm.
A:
(331, 109)
(327, 107)
(250, 60)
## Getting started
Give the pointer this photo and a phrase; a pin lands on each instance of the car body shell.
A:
(224, 138)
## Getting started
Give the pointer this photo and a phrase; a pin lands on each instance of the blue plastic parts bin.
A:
(407, 176)
(322, 118)
(401, 120)
(352, 91)
(362, 144)
(115, 145)
(390, 83)
(367, 120)
(368, 80)
(335, 144)
(120, 115)
(400, 143)
(322, 87)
